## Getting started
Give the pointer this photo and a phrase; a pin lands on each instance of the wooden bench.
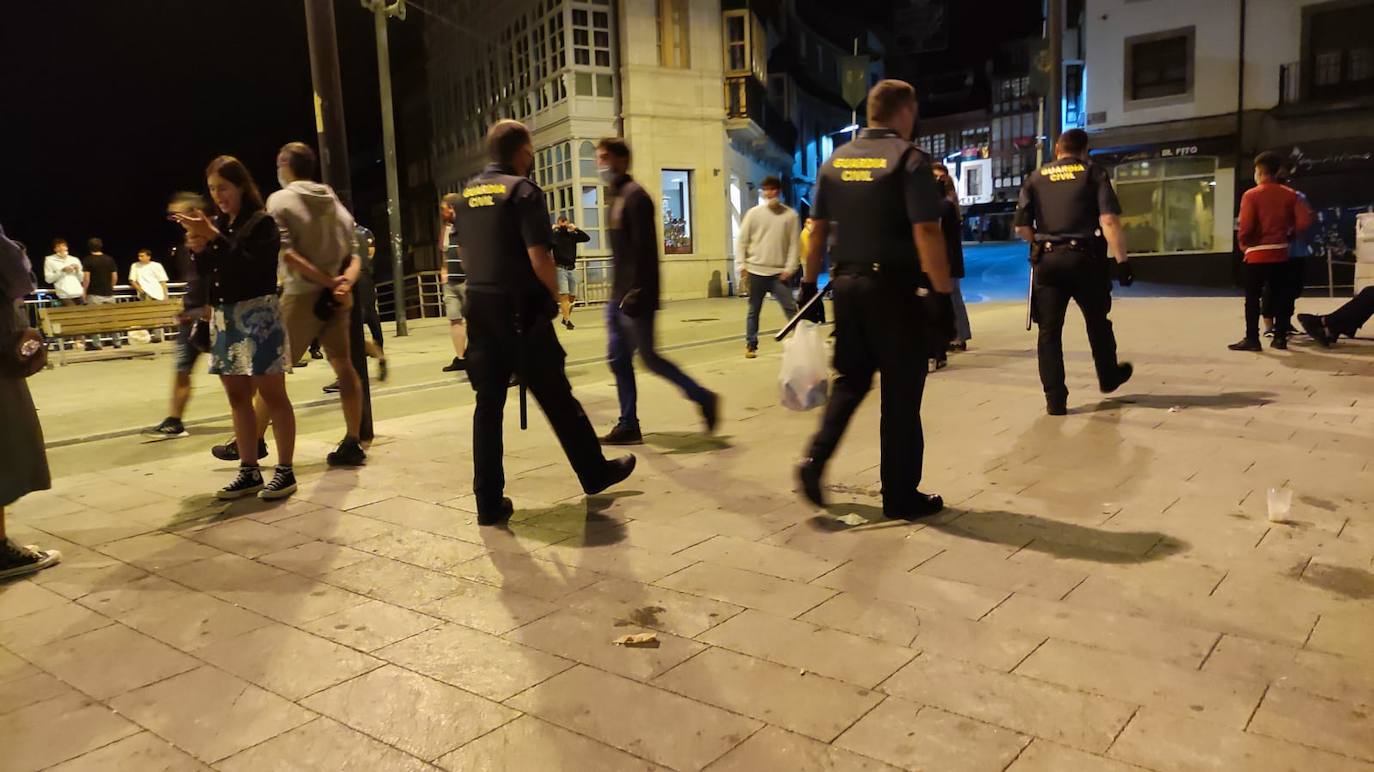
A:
(78, 321)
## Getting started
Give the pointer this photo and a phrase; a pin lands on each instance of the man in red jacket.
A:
(1271, 216)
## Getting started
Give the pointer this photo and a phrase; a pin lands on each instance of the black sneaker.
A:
(316, 354)
(809, 475)
(710, 412)
(616, 471)
(16, 560)
(229, 450)
(922, 505)
(349, 453)
(623, 434)
(567, 324)
(248, 482)
(1279, 342)
(1315, 328)
(381, 370)
(1124, 371)
(1246, 344)
(283, 484)
(457, 365)
(496, 515)
(332, 388)
(169, 429)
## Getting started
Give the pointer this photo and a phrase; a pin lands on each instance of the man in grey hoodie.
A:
(318, 269)
(767, 252)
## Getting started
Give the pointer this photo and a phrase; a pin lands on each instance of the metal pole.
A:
(333, 142)
(393, 188)
(1054, 100)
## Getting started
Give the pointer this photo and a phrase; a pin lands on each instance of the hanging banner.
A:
(853, 79)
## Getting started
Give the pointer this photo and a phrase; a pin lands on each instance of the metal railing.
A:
(425, 293)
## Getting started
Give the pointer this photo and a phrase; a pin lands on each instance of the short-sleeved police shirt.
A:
(1064, 199)
(920, 192)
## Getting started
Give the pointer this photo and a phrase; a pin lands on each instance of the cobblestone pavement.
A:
(1104, 592)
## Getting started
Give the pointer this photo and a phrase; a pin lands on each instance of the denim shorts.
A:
(567, 281)
(186, 353)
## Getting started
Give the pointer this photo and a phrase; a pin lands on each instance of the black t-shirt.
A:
(873, 189)
(102, 268)
(1064, 199)
(565, 241)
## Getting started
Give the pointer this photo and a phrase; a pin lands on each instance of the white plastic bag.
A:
(805, 377)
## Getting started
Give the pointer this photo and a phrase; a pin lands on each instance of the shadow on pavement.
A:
(1030, 532)
(1227, 400)
(679, 443)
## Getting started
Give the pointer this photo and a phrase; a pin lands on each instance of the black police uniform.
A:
(509, 316)
(872, 190)
(1062, 201)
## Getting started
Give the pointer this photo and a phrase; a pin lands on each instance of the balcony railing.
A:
(745, 97)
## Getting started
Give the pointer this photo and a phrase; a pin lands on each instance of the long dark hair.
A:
(947, 185)
(233, 171)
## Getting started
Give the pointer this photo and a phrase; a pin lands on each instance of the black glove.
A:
(808, 291)
(1124, 275)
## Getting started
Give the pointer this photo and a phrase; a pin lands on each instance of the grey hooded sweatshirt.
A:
(316, 225)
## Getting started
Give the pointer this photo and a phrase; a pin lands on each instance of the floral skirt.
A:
(247, 338)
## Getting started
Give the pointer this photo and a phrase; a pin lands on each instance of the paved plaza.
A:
(1105, 590)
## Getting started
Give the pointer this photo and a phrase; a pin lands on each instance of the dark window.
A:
(1159, 68)
(1340, 56)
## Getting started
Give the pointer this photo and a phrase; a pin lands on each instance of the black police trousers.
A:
(496, 349)
(879, 327)
(1064, 274)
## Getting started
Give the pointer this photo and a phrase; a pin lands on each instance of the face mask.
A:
(281, 178)
(606, 173)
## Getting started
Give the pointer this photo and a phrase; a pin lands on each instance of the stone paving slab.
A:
(1104, 592)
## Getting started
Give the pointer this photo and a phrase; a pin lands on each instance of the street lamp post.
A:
(381, 12)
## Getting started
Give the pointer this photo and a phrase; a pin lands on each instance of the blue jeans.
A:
(625, 335)
(759, 286)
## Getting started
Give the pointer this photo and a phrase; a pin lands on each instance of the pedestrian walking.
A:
(505, 240)
(952, 225)
(635, 297)
(1272, 215)
(1069, 213)
(236, 254)
(766, 249)
(454, 279)
(22, 457)
(566, 237)
(195, 313)
(878, 195)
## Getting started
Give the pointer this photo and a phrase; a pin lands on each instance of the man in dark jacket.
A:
(634, 296)
(566, 237)
(194, 307)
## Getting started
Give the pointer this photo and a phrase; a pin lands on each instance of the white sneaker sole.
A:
(159, 436)
(280, 493)
(224, 495)
(52, 558)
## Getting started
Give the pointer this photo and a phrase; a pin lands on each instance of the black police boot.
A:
(1056, 405)
(710, 411)
(1315, 328)
(922, 505)
(616, 471)
(623, 434)
(229, 450)
(809, 476)
(496, 515)
(1246, 344)
(456, 365)
(1124, 371)
(1279, 341)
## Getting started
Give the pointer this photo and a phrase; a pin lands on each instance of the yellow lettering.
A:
(483, 190)
(863, 175)
(860, 163)
(477, 201)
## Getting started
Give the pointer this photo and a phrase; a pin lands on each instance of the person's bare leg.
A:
(459, 332)
(263, 415)
(239, 390)
(181, 394)
(350, 395)
(565, 304)
(272, 393)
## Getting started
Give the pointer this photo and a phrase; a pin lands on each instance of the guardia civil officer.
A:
(1069, 213)
(503, 232)
(879, 196)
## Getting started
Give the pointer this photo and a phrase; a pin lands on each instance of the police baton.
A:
(520, 370)
(1035, 253)
(802, 313)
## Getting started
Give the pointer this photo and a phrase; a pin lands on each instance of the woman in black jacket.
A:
(236, 253)
(952, 226)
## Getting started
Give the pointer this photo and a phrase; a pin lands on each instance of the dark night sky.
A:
(108, 106)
